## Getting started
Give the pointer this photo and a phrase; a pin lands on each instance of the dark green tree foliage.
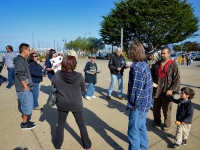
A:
(188, 46)
(156, 21)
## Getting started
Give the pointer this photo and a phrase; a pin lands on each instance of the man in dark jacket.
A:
(24, 85)
(117, 64)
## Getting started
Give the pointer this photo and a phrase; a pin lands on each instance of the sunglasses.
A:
(35, 56)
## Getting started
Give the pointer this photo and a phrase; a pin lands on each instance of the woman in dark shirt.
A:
(69, 85)
(49, 68)
(36, 74)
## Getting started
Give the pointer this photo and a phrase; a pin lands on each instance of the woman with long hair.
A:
(36, 75)
(49, 68)
(69, 85)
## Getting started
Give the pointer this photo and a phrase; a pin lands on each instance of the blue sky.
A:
(47, 20)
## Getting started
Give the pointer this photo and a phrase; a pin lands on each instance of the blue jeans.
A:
(114, 78)
(2, 79)
(35, 92)
(10, 77)
(137, 131)
(26, 102)
(90, 89)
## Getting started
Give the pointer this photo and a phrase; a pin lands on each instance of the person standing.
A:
(69, 85)
(183, 58)
(24, 85)
(10, 55)
(152, 58)
(117, 64)
(167, 76)
(188, 57)
(48, 66)
(37, 76)
(140, 90)
(184, 114)
(91, 71)
(2, 61)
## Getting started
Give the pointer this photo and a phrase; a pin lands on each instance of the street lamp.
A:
(86, 34)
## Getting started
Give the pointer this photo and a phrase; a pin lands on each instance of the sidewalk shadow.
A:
(158, 131)
(46, 89)
(92, 120)
(50, 114)
(196, 106)
(191, 86)
(19, 148)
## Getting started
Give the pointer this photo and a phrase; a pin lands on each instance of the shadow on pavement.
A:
(19, 148)
(50, 114)
(100, 127)
(159, 132)
(190, 86)
(46, 89)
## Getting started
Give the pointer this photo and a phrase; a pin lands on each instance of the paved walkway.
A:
(106, 120)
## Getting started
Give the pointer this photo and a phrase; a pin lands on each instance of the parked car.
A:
(198, 55)
(173, 56)
(194, 55)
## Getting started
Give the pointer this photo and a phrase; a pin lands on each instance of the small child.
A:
(184, 116)
(91, 71)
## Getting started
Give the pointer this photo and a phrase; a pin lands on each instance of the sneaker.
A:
(176, 146)
(166, 128)
(184, 142)
(28, 126)
(32, 123)
(109, 97)
(87, 97)
(120, 97)
(156, 124)
(38, 108)
(7, 88)
(93, 96)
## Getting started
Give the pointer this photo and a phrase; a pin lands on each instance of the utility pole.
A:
(33, 40)
(122, 38)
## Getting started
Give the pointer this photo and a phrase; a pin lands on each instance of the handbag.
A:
(53, 96)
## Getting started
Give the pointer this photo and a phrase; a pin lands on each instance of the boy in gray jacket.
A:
(24, 85)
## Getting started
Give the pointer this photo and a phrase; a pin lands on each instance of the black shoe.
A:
(28, 126)
(176, 146)
(32, 123)
(121, 98)
(156, 124)
(109, 97)
(184, 142)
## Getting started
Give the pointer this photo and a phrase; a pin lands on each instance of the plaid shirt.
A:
(140, 86)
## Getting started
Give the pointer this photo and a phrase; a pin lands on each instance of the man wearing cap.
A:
(152, 58)
(117, 64)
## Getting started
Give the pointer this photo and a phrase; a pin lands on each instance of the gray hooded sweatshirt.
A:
(22, 73)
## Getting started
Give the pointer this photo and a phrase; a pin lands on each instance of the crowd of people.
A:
(152, 83)
(186, 57)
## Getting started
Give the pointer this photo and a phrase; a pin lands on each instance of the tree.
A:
(90, 44)
(149, 21)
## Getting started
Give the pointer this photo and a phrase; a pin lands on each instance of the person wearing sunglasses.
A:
(49, 68)
(37, 76)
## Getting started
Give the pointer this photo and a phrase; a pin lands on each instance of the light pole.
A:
(122, 38)
(33, 40)
(64, 39)
(181, 48)
(86, 34)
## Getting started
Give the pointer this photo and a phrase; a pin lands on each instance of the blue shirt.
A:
(50, 74)
(140, 86)
(9, 59)
(36, 72)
